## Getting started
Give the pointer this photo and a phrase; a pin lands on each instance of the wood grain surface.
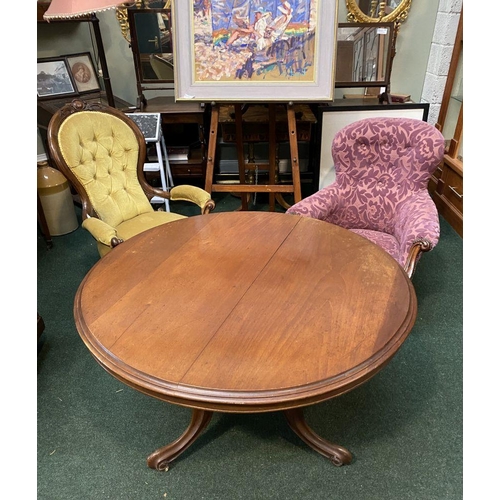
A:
(245, 311)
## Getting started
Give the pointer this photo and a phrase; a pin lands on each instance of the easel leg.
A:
(212, 142)
(239, 149)
(272, 155)
(294, 153)
(294, 158)
(273, 188)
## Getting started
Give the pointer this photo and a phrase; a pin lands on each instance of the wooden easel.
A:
(275, 190)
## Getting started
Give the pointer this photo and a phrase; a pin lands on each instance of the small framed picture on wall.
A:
(83, 72)
(53, 78)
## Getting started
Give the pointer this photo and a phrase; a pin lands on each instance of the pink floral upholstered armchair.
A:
(383, 166)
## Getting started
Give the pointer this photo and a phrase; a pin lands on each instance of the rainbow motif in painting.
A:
(254, 40)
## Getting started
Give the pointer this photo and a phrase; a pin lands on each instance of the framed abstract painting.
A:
(254, 50)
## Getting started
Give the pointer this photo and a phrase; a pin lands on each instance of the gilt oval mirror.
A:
(374, 11)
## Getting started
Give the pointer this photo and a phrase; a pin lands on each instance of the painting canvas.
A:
(254, 50)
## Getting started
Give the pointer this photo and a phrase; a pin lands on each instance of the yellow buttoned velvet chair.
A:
(101, 151)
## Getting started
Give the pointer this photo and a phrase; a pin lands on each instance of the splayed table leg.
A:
(338, 455)
(161, 458)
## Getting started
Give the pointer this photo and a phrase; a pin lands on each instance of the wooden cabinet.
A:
(446, 186)
(183, 124)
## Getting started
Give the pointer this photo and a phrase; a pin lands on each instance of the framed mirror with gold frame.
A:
(372, 11)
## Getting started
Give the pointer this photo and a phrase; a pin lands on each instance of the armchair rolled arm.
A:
(416, 228)
(184, 192)
(194, 195)
(322, 205)
(101, 231)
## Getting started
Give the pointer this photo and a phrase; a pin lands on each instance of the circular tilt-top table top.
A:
(245, 311)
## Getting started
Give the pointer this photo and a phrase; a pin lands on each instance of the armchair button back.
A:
(102, 152)
(383, 166)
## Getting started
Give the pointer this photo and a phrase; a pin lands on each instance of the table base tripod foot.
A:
(162, 457)
(338, 455)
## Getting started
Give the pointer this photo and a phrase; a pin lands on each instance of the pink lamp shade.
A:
(66, 9)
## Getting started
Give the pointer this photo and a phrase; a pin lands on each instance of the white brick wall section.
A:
(439, 59)
(443, 40)
(445, 30)
(433, 93)
(433, 88)
(450, 6)
(433, 116)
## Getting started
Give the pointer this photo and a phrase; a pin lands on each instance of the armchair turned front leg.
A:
(418, 247)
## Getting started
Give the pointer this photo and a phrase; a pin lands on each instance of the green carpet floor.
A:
(404, 426)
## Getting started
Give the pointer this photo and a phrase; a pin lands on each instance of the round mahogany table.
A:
(245, 312)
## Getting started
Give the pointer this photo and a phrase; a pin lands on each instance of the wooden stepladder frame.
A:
(274, 189)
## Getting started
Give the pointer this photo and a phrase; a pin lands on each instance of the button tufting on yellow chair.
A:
(101, 152)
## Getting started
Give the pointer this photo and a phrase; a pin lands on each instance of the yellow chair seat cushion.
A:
(142, 222)
(137, 225)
